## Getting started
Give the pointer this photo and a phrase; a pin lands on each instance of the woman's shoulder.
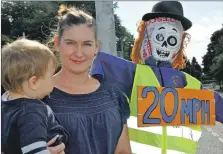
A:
(111, 86)
(114, 89)
(115, 86)
(121, 98)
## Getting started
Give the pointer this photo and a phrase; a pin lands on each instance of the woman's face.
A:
(77, 48)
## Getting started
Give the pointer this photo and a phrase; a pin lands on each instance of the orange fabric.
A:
(179, 62)
(135, 56)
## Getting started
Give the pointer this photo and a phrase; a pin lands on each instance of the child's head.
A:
(27, 68)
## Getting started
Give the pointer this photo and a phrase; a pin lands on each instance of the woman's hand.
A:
(59, 149)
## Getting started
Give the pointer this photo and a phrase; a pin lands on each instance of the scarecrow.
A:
(157, 57)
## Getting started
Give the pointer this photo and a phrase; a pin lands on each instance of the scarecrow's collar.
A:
(153, 62)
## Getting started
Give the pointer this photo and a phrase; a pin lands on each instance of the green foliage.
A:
(217, 68)
(115, 5)
(213, 59)
(38, 20)
(35, 19)
(196, 68)
(123, 34)
(193, 68)
(214, 49)
(187, 67)
(5, 39)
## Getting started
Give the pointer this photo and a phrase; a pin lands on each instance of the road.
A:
(211, 141)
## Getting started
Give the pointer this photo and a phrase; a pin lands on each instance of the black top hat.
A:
(171, 9)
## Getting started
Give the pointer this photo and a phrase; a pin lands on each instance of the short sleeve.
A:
(123, 104)
(32, 128)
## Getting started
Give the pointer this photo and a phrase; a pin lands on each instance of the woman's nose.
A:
(78, 51)
(79, 54)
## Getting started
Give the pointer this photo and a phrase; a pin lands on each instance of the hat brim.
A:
(186, 23)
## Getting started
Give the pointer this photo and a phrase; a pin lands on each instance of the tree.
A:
(217, 69)
(187, 67)
(35, 19)
(196, 70)
(208, 58)
(123, 34)
(214, 49)
(193, 68)
(212, 60)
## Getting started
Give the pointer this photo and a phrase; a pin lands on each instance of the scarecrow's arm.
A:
(218, 105)
(115, 70)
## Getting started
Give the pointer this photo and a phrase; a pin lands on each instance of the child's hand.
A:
(59, 149)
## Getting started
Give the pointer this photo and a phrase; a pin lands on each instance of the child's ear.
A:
(32, 83)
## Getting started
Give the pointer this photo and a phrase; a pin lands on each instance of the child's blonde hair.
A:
(23, 59)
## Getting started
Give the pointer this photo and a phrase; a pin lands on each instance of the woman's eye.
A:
(69, 43)
(87, 44)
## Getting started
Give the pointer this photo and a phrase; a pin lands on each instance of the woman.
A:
(93, 112)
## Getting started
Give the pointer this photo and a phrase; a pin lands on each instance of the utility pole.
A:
(23, 35)
(122, 48)
(106, 26)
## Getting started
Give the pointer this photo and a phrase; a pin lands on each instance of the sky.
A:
(206, 17)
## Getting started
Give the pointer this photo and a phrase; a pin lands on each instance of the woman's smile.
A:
(78, 61)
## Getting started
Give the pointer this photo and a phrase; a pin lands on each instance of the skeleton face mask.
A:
(162, 39)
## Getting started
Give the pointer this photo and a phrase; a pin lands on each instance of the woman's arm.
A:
(123, 146)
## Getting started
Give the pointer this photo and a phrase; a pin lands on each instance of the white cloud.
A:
(205, 19)
(201, 32)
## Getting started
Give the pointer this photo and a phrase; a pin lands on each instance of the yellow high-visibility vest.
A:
(157, 139)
